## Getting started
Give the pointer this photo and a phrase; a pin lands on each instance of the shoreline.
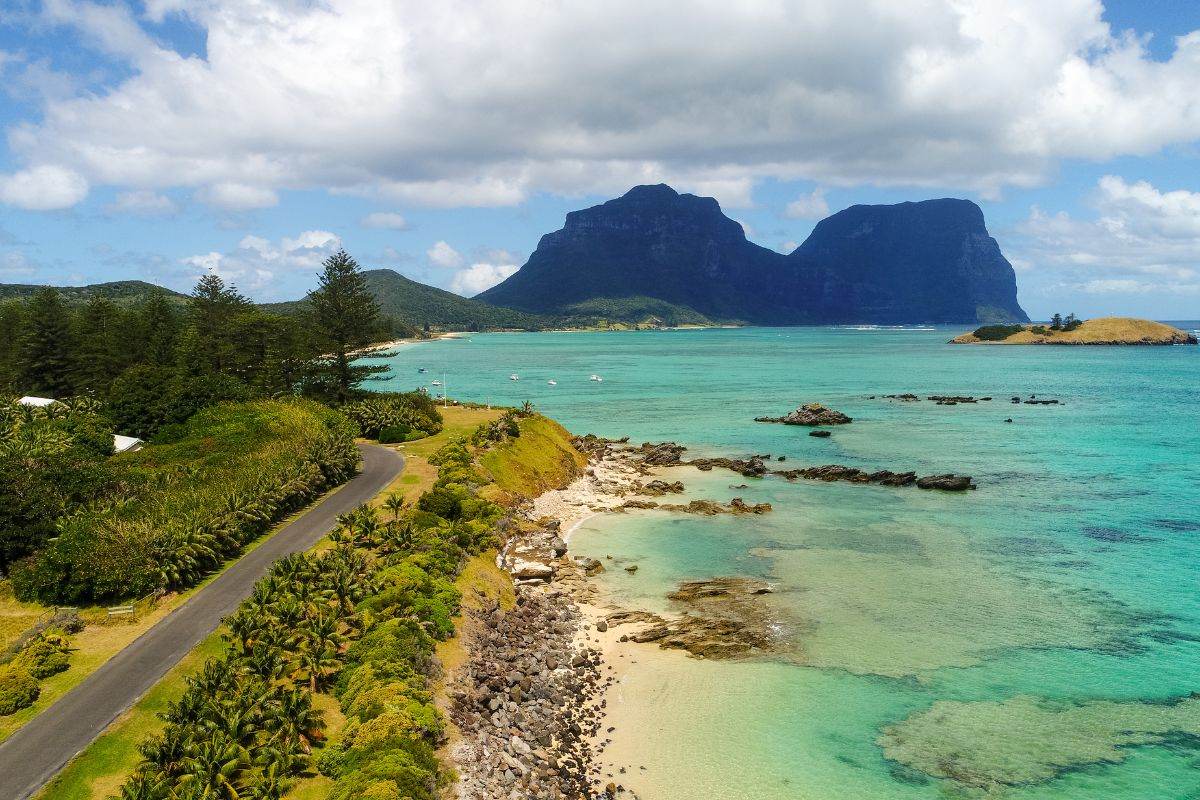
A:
(584, 672)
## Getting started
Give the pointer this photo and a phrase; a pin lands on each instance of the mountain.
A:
(652, 242)
(121, 292)
(418, 305)
(931, 261)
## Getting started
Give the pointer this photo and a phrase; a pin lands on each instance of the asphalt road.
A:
(34, 754)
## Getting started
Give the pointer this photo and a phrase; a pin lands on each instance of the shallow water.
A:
(1070, 575)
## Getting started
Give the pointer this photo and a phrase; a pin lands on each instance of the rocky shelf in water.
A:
(670, 454)
(721, 618)
(811, 415)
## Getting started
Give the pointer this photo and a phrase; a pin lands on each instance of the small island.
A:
(1100, 331)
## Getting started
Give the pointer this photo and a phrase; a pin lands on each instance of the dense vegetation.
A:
(160, 368)
(997, 333)
(171, 513)
(394, 417)
(359, 621)
(52, 462)
(157, 360)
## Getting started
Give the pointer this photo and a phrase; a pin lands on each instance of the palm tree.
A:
(394, 503)
(212, 770)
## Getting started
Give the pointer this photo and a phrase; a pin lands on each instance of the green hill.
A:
(121, 292)
(419, 305)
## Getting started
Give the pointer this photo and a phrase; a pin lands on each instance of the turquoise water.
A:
(1069, 578)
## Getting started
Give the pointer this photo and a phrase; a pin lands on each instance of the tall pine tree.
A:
(346, 317)
(102, 350)
(210, 342)
(47, 347)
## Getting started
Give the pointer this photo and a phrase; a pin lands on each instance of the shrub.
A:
(394, 434)
(997, 333)
(376, 413)
(330, 761)
(18, 688)
(48, 654)
(445, 501)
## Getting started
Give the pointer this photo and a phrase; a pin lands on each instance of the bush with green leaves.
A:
(18, 687)
(375, 413)
(997, 333)
(46, 654)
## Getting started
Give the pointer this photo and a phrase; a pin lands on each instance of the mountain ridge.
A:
(919, 261)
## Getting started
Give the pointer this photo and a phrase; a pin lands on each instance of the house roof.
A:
(29, 400)
(123, 443)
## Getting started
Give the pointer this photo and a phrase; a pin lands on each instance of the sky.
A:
(161, 139)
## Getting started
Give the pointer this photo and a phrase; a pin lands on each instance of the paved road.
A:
(36, 752)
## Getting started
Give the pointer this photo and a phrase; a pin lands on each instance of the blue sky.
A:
(159, 139)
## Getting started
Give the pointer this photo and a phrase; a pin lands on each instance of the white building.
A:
(36, 402)
(126, 444)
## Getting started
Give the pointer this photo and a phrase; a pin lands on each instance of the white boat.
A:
(436, 383)
(595, 378)
(420, 369)
(552, 382)
(514, 377)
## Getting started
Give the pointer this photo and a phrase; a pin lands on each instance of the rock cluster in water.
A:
(811, 414)
(671, 454)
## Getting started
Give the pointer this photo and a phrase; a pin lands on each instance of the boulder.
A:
(810, 414)
(947, 483)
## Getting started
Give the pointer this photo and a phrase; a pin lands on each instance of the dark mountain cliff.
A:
(931, 261)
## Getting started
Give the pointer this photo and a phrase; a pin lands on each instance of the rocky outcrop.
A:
(930, 261)
(947, 483)
(721, 618)
(811, 414)
(883, 477)
(707, 508)
(657, 488)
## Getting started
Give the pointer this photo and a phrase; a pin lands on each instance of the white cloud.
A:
(1141, 240)
(444, 255)
(430, 103)
(385, 219)
(809, 206)
(14, 264)
(232, 196)
(477, 277)
(43, 188)
(788, 246)
(142, 203)
(269, 269)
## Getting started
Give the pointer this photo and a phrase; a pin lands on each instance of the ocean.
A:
(1036, 638)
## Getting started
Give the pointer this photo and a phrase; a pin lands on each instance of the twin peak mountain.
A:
(654, 248)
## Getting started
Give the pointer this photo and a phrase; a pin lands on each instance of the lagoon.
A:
(1031, 639)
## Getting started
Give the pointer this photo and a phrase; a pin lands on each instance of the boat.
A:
(436, 383)
(595, 378)
(420, 369)
(514, 377)
(552, 382)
